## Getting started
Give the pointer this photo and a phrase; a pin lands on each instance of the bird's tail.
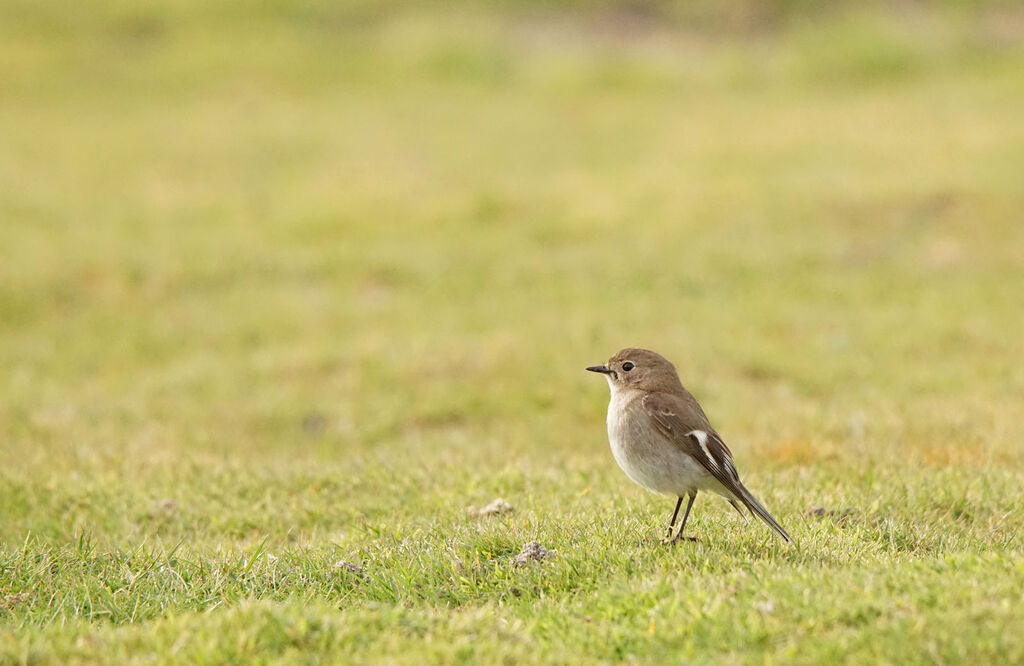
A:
(757, 510)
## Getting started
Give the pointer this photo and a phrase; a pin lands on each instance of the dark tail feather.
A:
(762, 513)
(736, 505)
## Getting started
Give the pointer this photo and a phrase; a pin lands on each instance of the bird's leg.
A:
(686, 514)
(672, 523)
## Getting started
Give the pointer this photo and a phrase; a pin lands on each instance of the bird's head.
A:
(640, 369)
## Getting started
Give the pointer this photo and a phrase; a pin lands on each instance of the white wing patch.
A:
(702, 439)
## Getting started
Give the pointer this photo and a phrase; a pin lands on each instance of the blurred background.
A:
(294, 231)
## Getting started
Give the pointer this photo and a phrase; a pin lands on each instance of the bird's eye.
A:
(627, 366)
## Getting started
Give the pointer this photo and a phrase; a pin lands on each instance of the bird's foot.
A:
(677, 538)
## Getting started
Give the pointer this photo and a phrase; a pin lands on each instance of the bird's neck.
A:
(622, 396)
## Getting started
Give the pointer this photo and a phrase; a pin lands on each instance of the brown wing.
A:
(689, 429)
(684, 423)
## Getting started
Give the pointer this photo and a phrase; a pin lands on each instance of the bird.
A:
(663, 441)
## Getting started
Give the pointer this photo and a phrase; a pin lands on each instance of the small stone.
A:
(351, 568)
(532, 551)
(497, 507)
(840, 515)
(9, 601)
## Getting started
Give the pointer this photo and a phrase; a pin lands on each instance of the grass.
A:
(284, 293)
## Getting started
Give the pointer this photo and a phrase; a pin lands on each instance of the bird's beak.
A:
(603, 369)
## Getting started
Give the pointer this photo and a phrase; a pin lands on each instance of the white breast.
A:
(645, 454)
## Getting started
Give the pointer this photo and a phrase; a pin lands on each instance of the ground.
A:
(288, 293)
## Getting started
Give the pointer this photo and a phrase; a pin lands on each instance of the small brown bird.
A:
(663, 441)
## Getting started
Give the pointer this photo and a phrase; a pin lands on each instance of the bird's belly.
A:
(654, 462)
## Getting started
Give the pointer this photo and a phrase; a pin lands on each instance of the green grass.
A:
(292, 286)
